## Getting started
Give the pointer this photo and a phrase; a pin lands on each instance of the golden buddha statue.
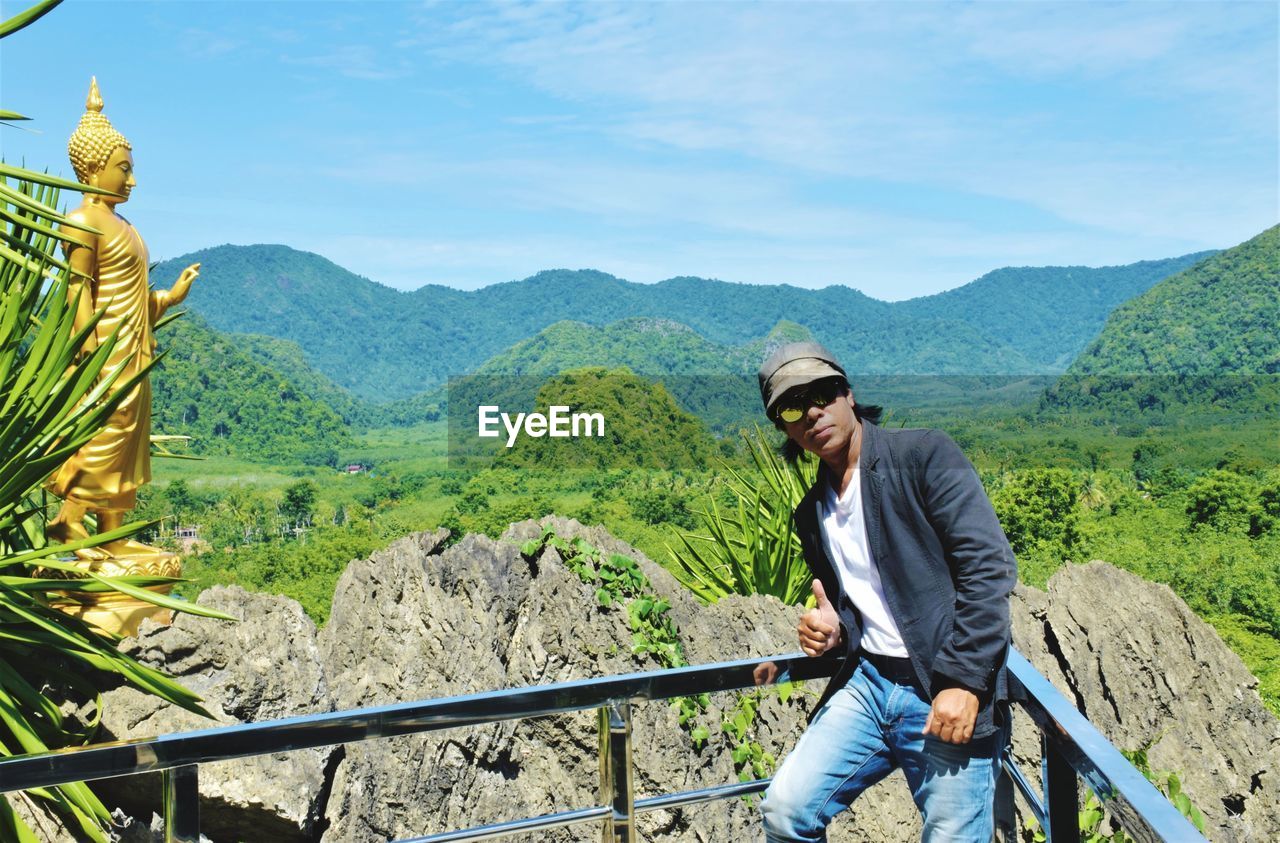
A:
(109, 274)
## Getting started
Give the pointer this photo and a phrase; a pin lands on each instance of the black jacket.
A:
(945, 564)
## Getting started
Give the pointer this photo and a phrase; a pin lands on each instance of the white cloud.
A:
(1050, 39)
(207, 44)
(897, 92)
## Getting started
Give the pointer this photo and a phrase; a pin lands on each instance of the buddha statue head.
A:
(101, 156)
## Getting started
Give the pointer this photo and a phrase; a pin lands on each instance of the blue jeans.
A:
(867, 729)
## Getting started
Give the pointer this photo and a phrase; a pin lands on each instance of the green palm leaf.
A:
(751, 549)
(27, 18)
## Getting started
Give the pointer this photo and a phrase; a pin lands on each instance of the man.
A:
(912, 575)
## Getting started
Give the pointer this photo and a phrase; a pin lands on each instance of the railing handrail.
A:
(1069, 737)
(1117, 783)
(308, 731)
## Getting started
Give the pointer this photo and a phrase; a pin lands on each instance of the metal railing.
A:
(1071, 747)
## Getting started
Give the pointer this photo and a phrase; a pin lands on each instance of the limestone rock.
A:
(412, 623)
(1146, 671)
(266, 666)
(738, 627)
(416, 622)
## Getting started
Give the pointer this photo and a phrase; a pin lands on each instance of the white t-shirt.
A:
(845, 533)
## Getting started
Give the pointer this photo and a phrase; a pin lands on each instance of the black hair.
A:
(862, 412)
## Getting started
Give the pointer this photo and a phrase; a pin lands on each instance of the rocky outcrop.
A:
(735, 627)
(412, 623)
(421, 620)
(265, 667)
(1147, 672)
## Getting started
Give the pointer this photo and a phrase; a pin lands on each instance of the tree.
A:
(1092, 493)
(299, 503)
(1222, 500)
(1037, 509)
(662, 505)
(1268, 512)
(179, 496)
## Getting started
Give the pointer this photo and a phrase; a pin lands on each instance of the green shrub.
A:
(749, 547)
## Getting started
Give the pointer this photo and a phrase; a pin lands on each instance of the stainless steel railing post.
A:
(182, 804)
(617, 786)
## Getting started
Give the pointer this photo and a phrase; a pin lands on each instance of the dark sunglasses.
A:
(792, 406)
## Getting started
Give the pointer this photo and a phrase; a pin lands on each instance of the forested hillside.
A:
(644, 345)
(382, 344)
(714, 382)
(1048, 314)
(288, 360)
(1220, 315)
(1204, 338)
(643, 427)
(208, 387)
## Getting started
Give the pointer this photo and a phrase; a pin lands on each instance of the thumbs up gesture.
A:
(819, 628)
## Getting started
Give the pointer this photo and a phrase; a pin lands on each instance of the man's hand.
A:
(820, 626)
(766, 673)
(954, 712)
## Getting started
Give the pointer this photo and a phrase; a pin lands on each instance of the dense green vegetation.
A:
(652, 347)
(289, 361)
(382, 344)
(208, 387)
(1212, 537)
(641, 423)
(1024, 306)
(1204, 340)
(712, 381)
(290, 536)
(1219, 316)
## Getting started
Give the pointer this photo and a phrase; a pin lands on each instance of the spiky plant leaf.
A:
(750, 549)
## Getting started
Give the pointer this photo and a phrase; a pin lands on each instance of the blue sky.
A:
(898, 148)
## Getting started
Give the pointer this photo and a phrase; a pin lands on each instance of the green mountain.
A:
(755, 352)
(358, 333)
(1205, 337)
(289, 361)
(1023, 307)
(714, 382)
(208, 387)
(642, 426)
(644, 345)
(382, 344)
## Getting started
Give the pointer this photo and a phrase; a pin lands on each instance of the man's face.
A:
(824, 431)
